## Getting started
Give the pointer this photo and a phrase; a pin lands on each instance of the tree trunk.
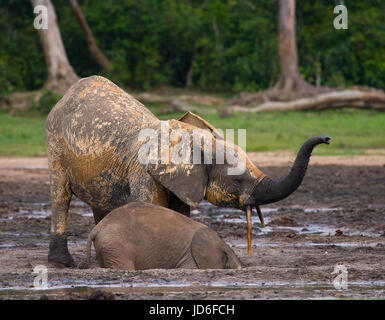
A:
(96, 53)
(189, 76)
(292, 92)
(60, 72)
(290, 79)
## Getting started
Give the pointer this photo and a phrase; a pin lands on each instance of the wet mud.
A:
(336, 217)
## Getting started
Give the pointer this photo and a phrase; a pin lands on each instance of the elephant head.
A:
(210, 179)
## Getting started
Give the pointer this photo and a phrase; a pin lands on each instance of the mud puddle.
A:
(175, 285)
(313, 244)
(224, 290)
(229, 215)
(333, 219)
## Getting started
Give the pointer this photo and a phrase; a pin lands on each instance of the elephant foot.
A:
(58, 251)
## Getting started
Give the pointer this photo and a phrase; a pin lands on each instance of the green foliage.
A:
(346, 57)
(46, 102)
(22, 64)
(229, 45)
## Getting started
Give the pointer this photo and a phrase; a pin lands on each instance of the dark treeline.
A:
(209, 44)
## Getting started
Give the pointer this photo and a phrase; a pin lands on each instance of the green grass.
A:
(352, 131)
(21, 136)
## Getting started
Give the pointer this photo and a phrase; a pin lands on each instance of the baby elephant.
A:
(141, 236)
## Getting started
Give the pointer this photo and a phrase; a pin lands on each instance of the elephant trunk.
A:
(268, 190)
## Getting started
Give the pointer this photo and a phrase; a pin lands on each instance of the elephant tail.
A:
(86, 262)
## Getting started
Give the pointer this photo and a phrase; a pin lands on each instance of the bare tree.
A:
(61, 75)
(292, 92)
(290, 79)
(96, 53)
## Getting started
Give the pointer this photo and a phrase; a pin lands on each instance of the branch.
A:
(174, 104)
(97, 54)
(337, 99)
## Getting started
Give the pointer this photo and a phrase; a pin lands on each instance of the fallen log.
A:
(20, 100)
(173, 104)
(374, 99)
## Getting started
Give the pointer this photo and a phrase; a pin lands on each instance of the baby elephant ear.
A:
(207, 250)
(187, 181)
(197, 121)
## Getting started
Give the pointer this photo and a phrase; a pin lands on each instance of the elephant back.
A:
(95, 111)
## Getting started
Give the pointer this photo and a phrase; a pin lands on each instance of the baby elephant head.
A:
(211, 252)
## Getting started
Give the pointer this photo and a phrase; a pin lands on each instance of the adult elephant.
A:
(98, 149)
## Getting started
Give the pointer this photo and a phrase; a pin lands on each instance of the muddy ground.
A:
(336, 217)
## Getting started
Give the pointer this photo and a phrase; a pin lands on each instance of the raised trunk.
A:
(268, 190)
(60, 72)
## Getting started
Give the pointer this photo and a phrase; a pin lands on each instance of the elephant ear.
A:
(206, 249)
(187, 181)
(197, 121)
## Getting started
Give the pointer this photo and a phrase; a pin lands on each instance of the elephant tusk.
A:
(260, 216)
(249, 229)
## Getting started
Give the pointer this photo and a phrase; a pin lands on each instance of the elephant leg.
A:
(113, 254)
(126, 264)
(178, 205)
(187, 262)
(60, 200)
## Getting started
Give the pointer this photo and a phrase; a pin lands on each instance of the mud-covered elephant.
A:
(97, 139)
(140, 236)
